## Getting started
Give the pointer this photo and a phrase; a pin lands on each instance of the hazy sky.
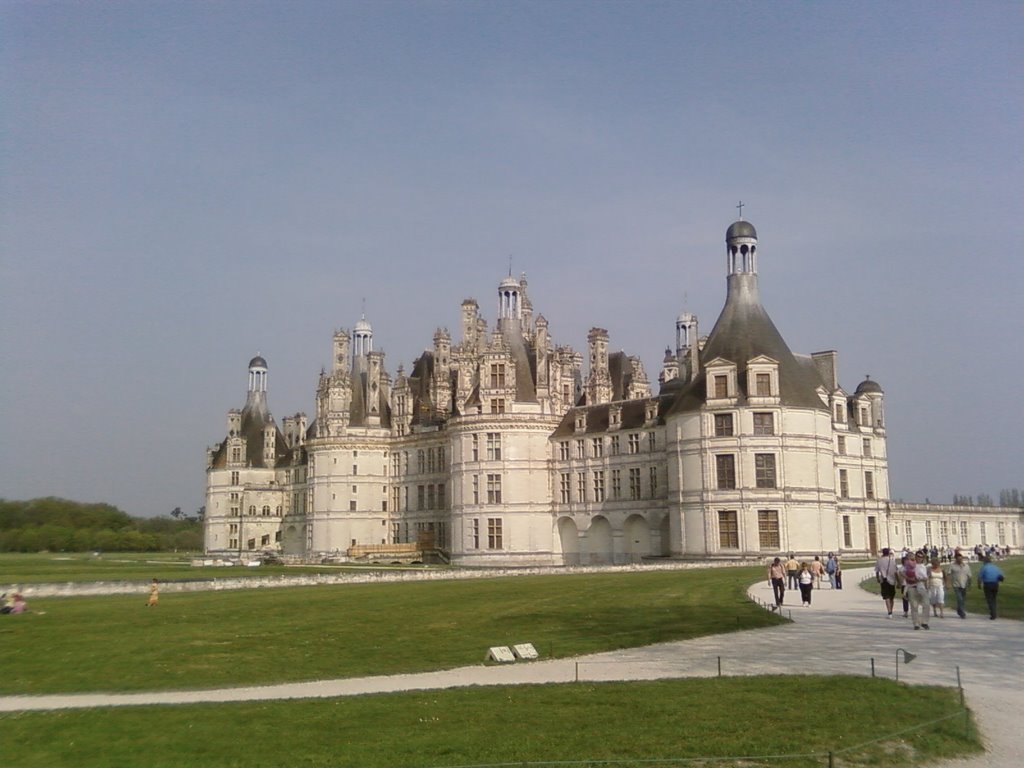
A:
(185, 184)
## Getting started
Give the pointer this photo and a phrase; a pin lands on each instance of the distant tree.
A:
(1010, 497)
(984, 500)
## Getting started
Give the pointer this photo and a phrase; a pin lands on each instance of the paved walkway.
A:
(840, 634)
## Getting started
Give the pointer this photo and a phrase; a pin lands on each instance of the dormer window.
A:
(581, 422)
(763, 385)
(840, 413)
(614, 417)
(721, 385)
(763, 378)
(721, 380)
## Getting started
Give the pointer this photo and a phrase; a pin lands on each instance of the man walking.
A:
(885, 573)
(792, 570)
(960, 579)
(988, 580)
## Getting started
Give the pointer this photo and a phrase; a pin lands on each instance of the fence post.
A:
(577, 671)
(872, 666)
(719, 666)
(831, 761)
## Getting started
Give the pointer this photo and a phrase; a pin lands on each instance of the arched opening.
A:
(637, 535)
(569, 536)
(599, 542)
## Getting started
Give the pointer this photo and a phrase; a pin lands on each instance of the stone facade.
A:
(496, 450)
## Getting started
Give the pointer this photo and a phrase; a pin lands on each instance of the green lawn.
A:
(19, 568)
(1011, 591)
(635, 723)
(232, 638)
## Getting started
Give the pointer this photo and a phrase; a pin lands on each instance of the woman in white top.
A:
(937, 588)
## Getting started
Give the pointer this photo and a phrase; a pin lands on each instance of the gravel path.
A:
(840, 634)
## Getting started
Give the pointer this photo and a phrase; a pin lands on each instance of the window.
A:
(963, 532)
(233, 543)
(869, 485)
(928, 532)
(563, 450)
(580, 450)
(476, 489)
(564, 486)
(984, 536)
(867, 447)
(494, 533)
(764, 470)
(265, 540)
(764, 423)
(355, 469)
(763, 385)
(652, 441)
(497, 375)
(265, 511)
(1002, 533)
(474, 450)
(725, 469)
(723, 425)
(494, 446)
(654, 482)
(908, 533)
(841, 445)
(634, 483)
(847, 534)
(233, 528)
(252, 510)
(352, 505)
(614, 446)
(498, 405)
(839, 412)
(430, 460)
(581, 486)
(440, 496)
(599, 486)
(616, 483)
(494, 489)
(844, 485)
(236, 454)
(431, 496)
(234, 478)
(597, 447)
(768, 529)
(864, 420)
(634, 442)
(944, 533)
(721, 386)
(421, 463)
(440, 459)
(728, 530)
(421, 495)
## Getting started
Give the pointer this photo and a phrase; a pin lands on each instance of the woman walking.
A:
(777, 578)
(806, 581)
(937, 589)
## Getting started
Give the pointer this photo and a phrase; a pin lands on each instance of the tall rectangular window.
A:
(847, 533)
(494, 489)
(616, 484)
(431, 460)
(474, 532)
(840, 415)
(634, 483)
(498, 405)
(944, 533)
(474, 451)
(654, 482)
(763, 383)
(564, 486)
(581, 486)
(597, 447)
(614, 445)
(867, 447)
(928, 532)
(421, 462)
(581, 452)
(982, 533)
(728, 530)
(725, 469)
(869, 485)
(494, 534)
(652, 441)
(768, 529)
(721, 386)
(723, 425)
(841, 445)
(497, 375)
(844, 485)
(963, 533)
(599, 486)
(563, 450)
(476, 489)
(764, 423)
(764, 470)
(634, 442)
(908, 533)
(494, 446)
(421, 493)
(234, 478)
(431, 496)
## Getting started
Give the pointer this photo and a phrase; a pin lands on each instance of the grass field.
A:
(1011, 591)
(636, 723)
(18, 568)
(231, 638)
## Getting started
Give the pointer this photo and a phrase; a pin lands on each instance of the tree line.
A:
(60, 525)
(1008, 497)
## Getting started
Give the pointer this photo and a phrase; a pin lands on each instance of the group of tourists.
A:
(13, 604)
(803, 575)
(922, 583)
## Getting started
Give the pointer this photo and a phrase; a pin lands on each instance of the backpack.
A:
(830, 566)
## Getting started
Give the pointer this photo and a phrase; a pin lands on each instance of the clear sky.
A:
(185, 184)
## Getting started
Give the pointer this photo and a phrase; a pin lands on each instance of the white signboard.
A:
(525, 651)
(501, 653)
